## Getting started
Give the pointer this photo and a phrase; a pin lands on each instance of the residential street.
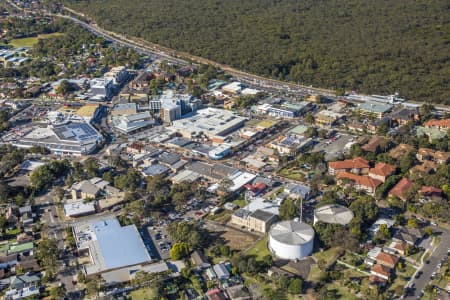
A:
(441, 251)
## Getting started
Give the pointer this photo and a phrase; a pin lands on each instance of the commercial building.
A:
(78, 209)
(377, 109)
(291, 144)
(110, 246)
(101, 89)
(209, 122)
(129, 124)
(71, 138)
(172, 106)
(219, 152)
(259, 220)
(333, 214)
(117, 74)
(286, 109)
(233, 88)
(291, 240)
(327, 117)
(124, 109)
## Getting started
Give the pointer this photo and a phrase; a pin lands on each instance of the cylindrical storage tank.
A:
(291, 239)
(333, 214)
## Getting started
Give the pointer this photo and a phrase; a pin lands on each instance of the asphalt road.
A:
(428, 269)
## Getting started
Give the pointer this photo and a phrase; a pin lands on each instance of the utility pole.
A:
(301, 209)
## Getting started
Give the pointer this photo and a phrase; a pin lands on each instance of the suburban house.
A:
(439, 157)
(401, 188)
(357, 165)
(399, 247)
(431, 192)
(376, 145)
(380, 271)
(400, 151)
(298, 191)
(409, 235)
(382, 171)
(427, 167)
(238, 292)
(386, 259)
(215, 294)
(199, 260)
(360, 182)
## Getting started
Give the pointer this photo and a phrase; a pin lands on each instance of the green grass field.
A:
(259, 250)
(329, 256)
(143, 294)
(31, 41)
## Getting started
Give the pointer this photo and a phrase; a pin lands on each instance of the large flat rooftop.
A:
(110, 245)
(73, 137)
(210, 122)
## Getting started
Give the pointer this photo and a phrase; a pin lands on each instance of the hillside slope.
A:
(376, 46)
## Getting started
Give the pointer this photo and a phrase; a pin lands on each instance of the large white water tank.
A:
(291, 239)
(333, 214)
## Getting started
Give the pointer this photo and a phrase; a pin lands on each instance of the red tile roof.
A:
(383, 169)
(401, 246)
(430, 190)
(361, 180)
(438, 123)
(401, 187)
(256, 188)
(380, 269)
(386, 258)
(375, 279)
(357, 162)
(215, 294)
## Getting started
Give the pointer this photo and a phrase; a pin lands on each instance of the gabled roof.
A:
(382, 169)
(360, 180)
(404, 112)
(400, 150)
(376, 280)
(387, 258)
(401, 187)
(357, 162)
(380, 269)
(375, 143)
(198, 258)
(401, 246)
(430, 190)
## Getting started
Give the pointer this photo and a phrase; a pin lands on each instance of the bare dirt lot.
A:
(236, 238)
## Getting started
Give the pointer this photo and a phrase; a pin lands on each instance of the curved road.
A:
(156, 51)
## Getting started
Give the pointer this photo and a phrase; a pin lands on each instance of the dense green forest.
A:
(376, 46)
